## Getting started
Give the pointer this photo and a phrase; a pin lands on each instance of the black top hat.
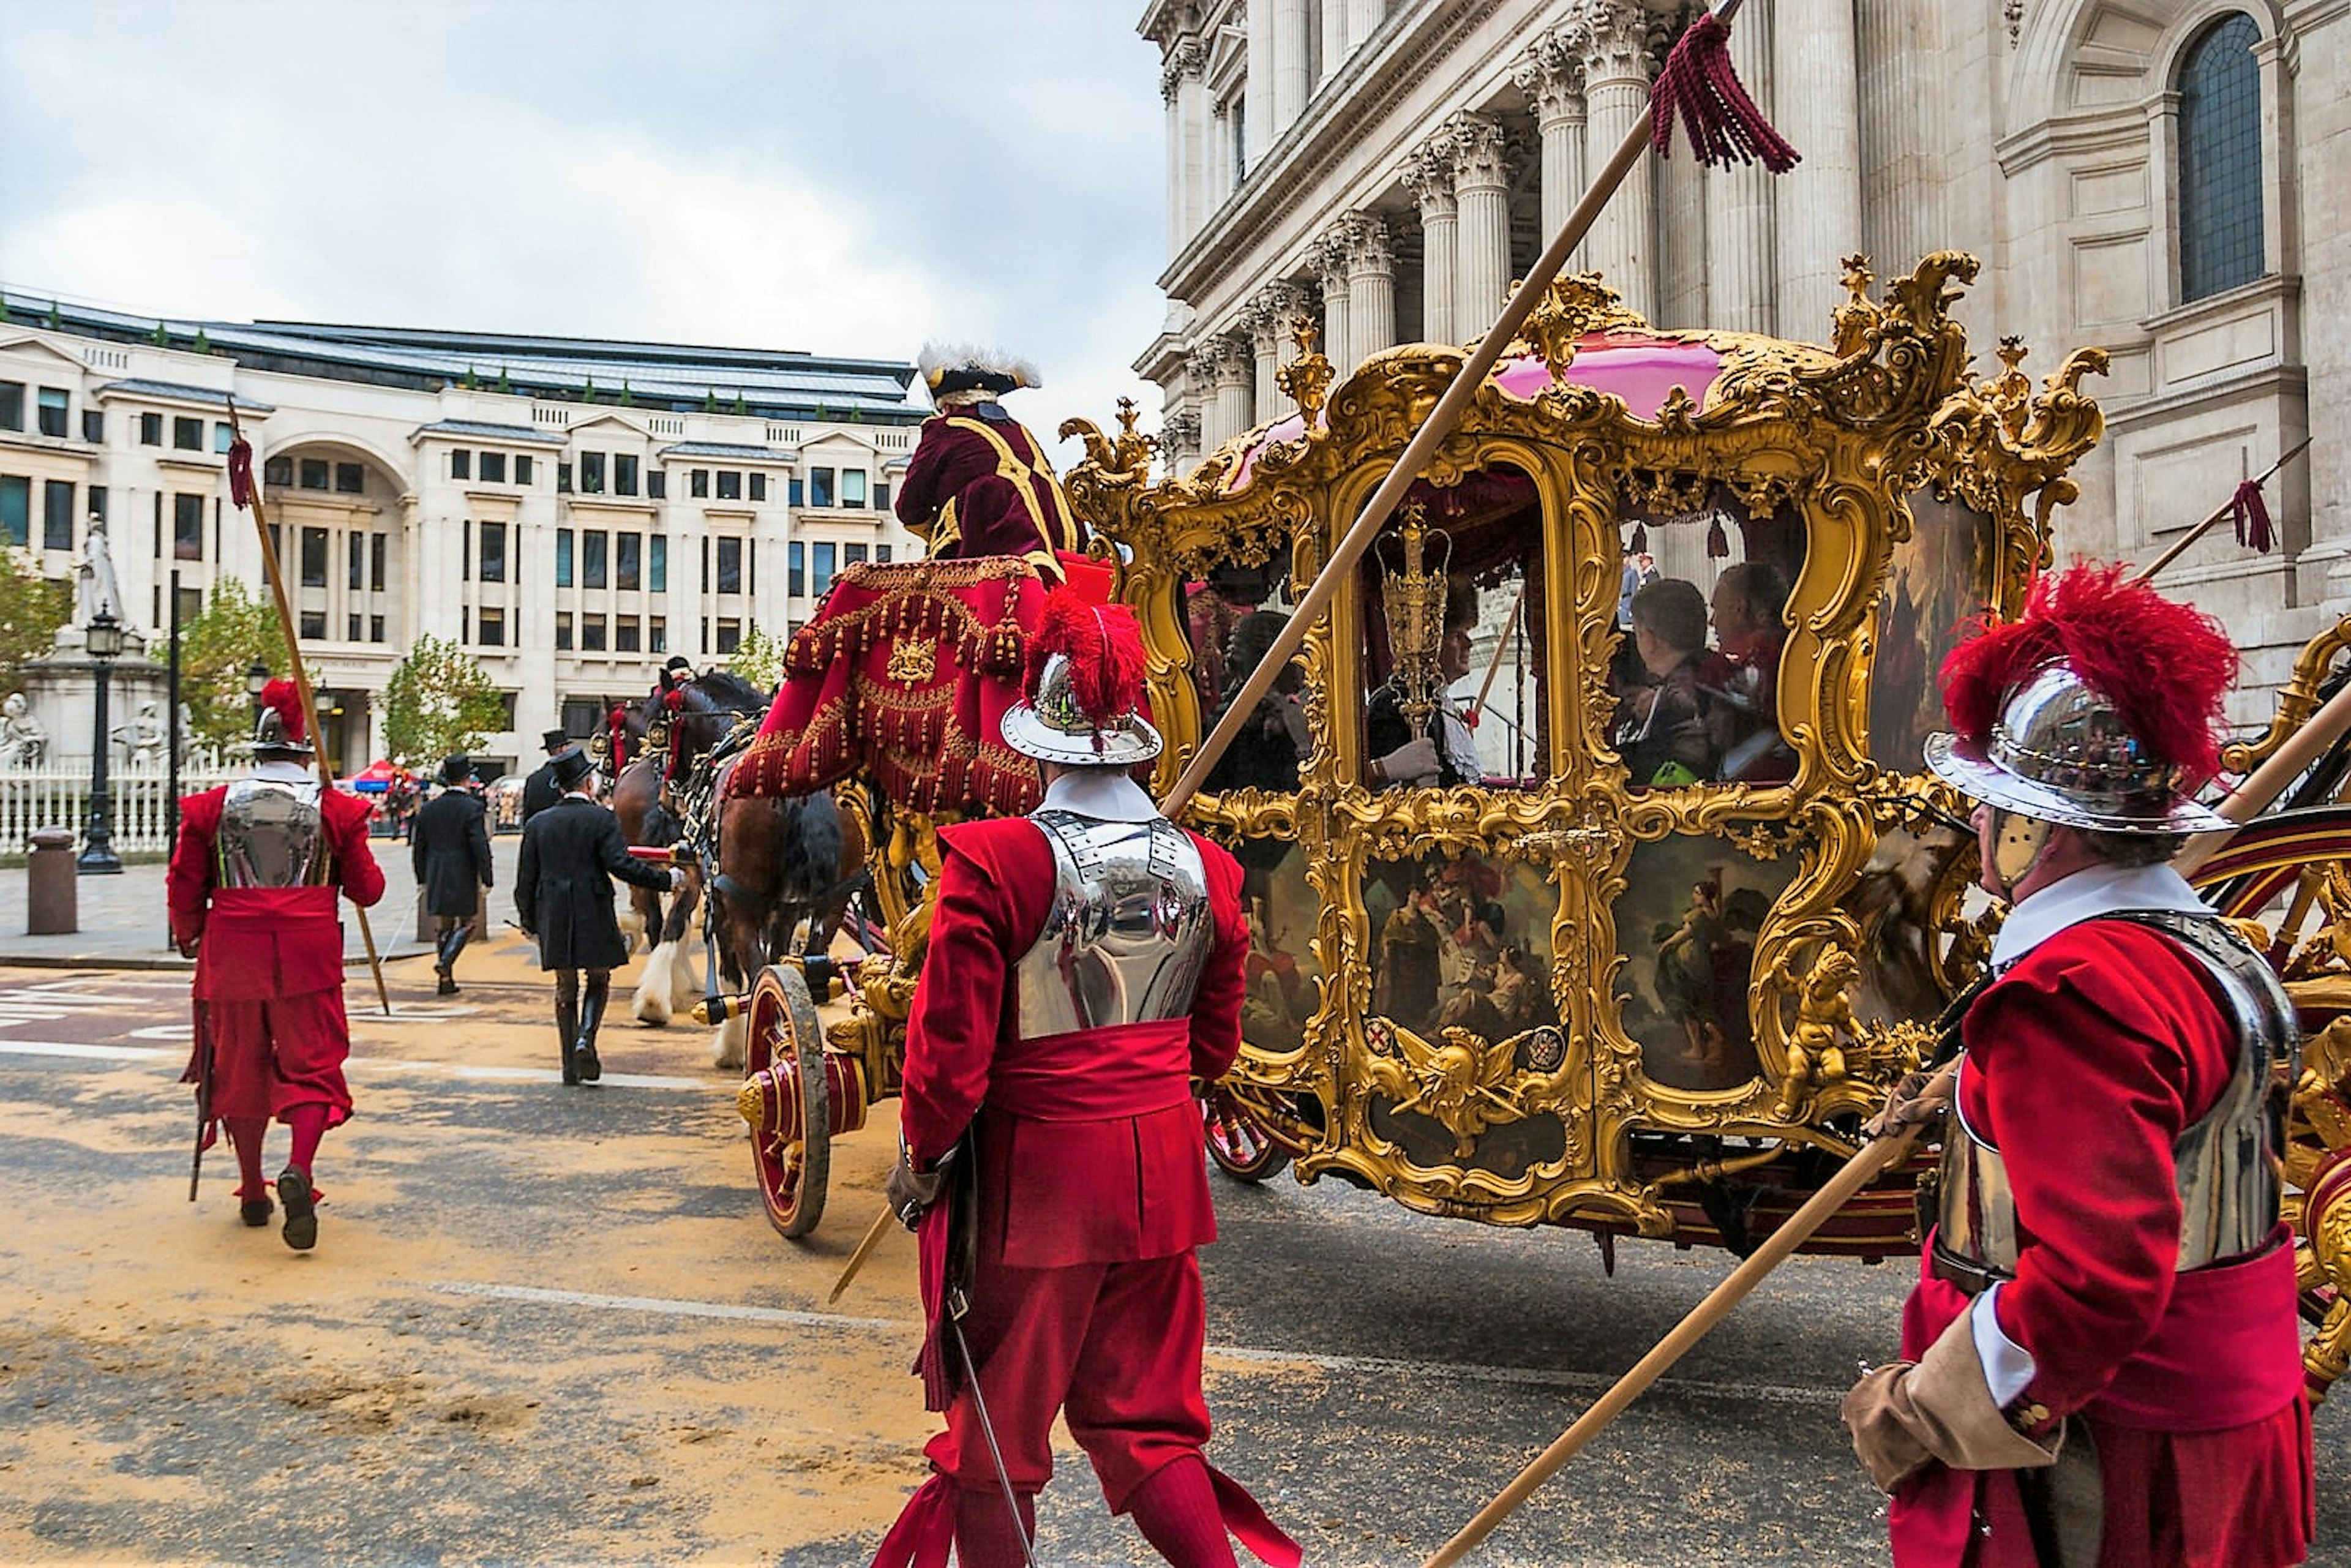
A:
(572, 765)
(677, 662)
(454, 769)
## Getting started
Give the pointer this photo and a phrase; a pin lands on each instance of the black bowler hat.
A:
(454, 769)
(554, 740)
(572, 765)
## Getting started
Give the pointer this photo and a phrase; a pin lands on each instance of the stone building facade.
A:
(572, 511)
(2159, 177)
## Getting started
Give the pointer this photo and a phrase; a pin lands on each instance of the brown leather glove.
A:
(1903, 1415)
(910, 1191)
(1919, 1098)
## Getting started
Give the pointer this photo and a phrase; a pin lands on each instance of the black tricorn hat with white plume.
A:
(962, 368)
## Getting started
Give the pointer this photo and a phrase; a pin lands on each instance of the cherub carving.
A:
(1824, 1024)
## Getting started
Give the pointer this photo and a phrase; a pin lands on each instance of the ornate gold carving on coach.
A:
(912, 663)
(2297, 700)
(1307, 378)
(1577, 305)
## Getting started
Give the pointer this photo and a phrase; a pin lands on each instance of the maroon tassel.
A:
(240, 474)
(1718, 542)
(2253, 517)
(1640, 544)
(1699, 85)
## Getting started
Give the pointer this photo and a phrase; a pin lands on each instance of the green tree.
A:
(236, 629)
(32, 607)
(759, 658)
(439, 701)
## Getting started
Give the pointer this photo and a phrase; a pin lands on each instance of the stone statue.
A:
(187, 733)
(23, 741)
(97, 592)
(142, 738)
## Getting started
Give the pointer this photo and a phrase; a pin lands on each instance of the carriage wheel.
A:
(1237, 1141)
(784, 1099)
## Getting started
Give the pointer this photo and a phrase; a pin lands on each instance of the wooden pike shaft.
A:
(2179, 546)
(302, 686)
(1858, 1173)
(873, 1234)
(1494, 665)
(1442, 422)
(2250, 798)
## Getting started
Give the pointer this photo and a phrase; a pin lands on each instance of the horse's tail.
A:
(811, 860)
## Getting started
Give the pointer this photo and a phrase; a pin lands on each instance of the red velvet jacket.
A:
(1090, 1143)
(969, 498)
(264, 942)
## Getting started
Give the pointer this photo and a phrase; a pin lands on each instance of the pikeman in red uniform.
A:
(977, 484)
(1085, 966)
(2102, 1361)
(253, 887)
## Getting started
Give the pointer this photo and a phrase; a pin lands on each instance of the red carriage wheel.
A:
(1236, 1140)
(785, 1100)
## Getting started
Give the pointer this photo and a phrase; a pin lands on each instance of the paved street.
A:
(549, 1325)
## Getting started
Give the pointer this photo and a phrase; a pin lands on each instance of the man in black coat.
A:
(450, 848)
(563, 893)
(540, 791)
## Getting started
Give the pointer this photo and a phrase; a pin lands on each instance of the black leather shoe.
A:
(301, 1229)
(447, 988)
(586, 1067)
(255, 1212)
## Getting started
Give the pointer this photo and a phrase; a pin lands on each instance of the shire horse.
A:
(646, 799)
(782, 863)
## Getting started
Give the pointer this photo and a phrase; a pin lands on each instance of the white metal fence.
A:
(56, 795)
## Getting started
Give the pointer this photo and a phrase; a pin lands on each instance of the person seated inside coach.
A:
(1675, 729)
(1273, 741)
(1445, 753)
(1750, 616)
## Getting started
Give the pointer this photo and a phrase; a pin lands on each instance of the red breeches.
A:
(270, 1056)
(1114, 1346)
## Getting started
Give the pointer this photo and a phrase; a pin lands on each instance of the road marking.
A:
(666, 1306)
(1348, 1365)
(458, 1070)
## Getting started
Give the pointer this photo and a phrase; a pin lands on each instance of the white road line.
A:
(458, 1070)
(667, 1307)
(1363, 1366)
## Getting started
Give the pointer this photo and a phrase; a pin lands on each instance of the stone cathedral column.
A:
(1257, 86)
(1328, 259)
(1742, 260)
(1187, 99)
(1364, 17)
(1481, 192)
(1429, 175)
(1619, 36)
(1815, 91)
(1273, 320)
(1234, 411)
(1370, 287)
(1291, 86)
(1551, 76)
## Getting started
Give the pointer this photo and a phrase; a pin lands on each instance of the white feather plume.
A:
(937, 358)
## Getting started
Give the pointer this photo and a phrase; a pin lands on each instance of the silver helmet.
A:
(269, 734)
(1056, 727)
(2061, 753)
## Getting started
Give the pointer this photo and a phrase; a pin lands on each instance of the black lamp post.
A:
(256, 676)
(103, 638)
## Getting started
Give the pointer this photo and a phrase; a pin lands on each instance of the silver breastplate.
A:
(269, 834)
(2226, 1163)
(1129, 930)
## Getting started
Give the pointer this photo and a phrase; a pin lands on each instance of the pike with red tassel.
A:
(1084, 967)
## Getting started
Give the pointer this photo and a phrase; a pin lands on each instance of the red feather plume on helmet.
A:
(2164, 666)
(284, 698)
(1104, 647)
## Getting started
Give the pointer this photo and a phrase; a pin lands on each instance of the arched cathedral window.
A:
(2220, 159)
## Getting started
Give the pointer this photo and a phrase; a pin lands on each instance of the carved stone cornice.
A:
(1370, 246)
(1481, 150)
(1273, 310)
(1621, 39)
(1183, 59)
(1551, 73)
(1429, 175)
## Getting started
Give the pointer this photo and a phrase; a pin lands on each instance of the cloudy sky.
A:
(844, 177)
